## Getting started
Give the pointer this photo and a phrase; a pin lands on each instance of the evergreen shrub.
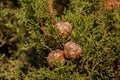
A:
(95, 29)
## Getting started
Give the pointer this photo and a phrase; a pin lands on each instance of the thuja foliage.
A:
(24, 46)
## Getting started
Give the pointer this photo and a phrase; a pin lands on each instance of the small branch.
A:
(51, 9)
(45, 31)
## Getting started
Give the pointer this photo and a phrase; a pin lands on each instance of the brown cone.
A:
(72, 50)
(55, 56)
(65, 28)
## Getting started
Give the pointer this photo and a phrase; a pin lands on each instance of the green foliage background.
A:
(24, 47)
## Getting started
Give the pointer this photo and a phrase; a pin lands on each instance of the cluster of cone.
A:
(71, 49)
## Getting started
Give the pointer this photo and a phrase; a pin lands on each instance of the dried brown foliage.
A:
(108, 4)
